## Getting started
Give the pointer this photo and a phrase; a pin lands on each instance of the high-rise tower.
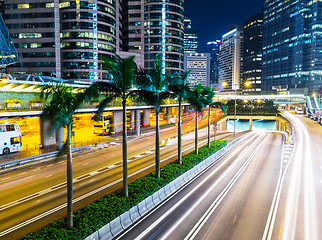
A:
(252, 55)
(68, 39)
(292, 53)
(190, 37)
(213, 49)
(230, 60)
(164, 33)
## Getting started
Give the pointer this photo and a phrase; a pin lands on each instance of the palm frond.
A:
(195, 98)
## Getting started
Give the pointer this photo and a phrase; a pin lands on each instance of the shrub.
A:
(95, 215)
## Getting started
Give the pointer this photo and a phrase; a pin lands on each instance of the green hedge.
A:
(95, 215)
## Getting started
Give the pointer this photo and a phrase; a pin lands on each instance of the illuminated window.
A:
(49, 5)
(64, 4)
(23, 5)
(29, 35)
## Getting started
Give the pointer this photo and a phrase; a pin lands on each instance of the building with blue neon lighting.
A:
(8, 53)
(292, 47)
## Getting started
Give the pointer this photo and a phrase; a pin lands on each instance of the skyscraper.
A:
(230, 60)
(164, 33)
(292, 53)
(88, 33)
(199, 66)
(213, 49)
(68, 39)
(252, 56)
(190, 37)
(35, 33)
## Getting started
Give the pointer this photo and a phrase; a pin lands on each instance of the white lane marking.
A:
(48, 176)
(189, 194)
(202, 221)
(292, 206)
(61, 185)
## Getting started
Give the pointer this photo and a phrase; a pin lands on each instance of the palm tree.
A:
(153, 89)
(61, 104)
(197, 102)
(208, 97)
(121, 85)
(180, 88)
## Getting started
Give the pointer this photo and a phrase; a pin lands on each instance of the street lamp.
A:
(235, 110)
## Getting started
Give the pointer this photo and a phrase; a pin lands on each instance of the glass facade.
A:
(8, 53)
(163, 30)
(230, 60)
(213, 49)
(88, 33)
(252, 55)
(67, 39)
(190, 37)
(292, 46)
(32, 29)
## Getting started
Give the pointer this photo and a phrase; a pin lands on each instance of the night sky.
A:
(213, 18)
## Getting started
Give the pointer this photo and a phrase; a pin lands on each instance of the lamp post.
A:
(248, 85)
(235, 109)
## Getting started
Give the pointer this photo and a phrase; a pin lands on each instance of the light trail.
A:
(202, 221)
(165, 215)
(302, 170)
(273, 210)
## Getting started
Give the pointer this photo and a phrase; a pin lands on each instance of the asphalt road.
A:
(299, 214)
(33, 196)
(268, 188)
(231, 200)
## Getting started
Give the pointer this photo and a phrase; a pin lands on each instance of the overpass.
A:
(277, 99)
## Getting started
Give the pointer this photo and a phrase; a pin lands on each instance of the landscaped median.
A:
(92, 217)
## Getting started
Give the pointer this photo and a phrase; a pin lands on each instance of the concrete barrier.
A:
(116, 227)
(105, 233)
(94, 236)
(172, 186)
(167, 190)
(142, 208)
(155, 198)
(149, 203)
(126, 220)
(134, 214)
(162, 195)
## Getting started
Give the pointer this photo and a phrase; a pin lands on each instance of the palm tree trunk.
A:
(69, 179)
(209, 125)
(125, 180)
(179, 134)
(157, 147)
(196, 134)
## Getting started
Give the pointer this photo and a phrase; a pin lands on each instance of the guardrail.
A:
(37, 158)
(123, 222)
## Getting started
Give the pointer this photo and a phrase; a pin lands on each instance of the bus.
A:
(104, 125)
(10, 138)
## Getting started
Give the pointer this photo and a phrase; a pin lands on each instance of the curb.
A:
(127, 219)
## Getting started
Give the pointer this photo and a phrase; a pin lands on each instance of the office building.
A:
(68, 39)
(199, 66)
(292, 53)
(252, 56)
(213, 49)
(231, 60)
(190, 37)
(8, 53)
(33, 28)
(164, 33)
